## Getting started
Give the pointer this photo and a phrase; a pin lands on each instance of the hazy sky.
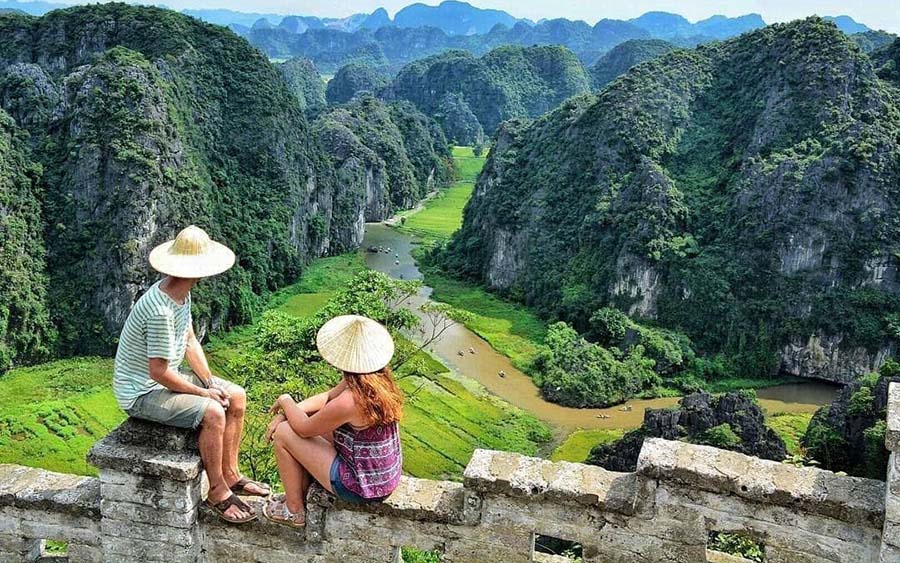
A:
(877, 14)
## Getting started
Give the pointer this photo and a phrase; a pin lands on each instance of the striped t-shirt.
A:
(157, 327)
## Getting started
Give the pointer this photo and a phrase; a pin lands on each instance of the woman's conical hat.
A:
(355, 344)
(191, 255)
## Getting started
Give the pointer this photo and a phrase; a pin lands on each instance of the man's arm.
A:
(196, 358)
(161, 373)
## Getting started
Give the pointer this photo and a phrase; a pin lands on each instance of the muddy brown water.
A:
(485, 364)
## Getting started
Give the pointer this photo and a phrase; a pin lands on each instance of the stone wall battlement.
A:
(146, 506)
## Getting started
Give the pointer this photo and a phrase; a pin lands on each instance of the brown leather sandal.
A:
(240, 488)
(220, 508)
(276, 510)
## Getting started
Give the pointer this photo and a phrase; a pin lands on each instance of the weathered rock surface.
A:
(664, 512)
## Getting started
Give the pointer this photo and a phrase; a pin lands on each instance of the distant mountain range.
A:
(420, 30)
(454, 18)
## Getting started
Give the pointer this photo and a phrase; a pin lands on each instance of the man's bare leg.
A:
(212, 432)
(234, 429)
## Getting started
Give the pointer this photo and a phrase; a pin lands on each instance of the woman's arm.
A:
(315, 403)
(335, 413)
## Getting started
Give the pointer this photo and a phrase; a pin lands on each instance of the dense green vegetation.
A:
(168, 121)
(305, 82)
(682, 198)
(354, 79)
(26, 334)
(507, 82)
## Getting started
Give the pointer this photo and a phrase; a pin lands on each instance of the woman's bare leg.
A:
(299, 461)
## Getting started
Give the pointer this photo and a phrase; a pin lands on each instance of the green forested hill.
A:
(305, 82)
(744, 193)
(353, 79)
(624, 56)
(142, 121)
(505, 83)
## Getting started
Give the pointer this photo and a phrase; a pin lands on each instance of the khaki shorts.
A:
(182, 410)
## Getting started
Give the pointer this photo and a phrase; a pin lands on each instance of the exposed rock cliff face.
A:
(146, 120)
(731, 421)
(387, 156)
(745, 193)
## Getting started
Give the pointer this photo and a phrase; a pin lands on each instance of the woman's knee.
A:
(283, 432)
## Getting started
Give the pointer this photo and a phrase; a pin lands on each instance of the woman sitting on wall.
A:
(347, 438)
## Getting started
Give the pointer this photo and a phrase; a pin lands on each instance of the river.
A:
(485, 364)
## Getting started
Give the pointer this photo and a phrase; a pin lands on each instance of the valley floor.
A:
(51, 414)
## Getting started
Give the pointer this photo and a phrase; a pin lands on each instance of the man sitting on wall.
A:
(158, 335)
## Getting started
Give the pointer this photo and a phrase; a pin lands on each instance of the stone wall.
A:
(146, 506)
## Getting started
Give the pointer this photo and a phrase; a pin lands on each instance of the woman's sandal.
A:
(221, 507)
(240, 488)
(276, 510)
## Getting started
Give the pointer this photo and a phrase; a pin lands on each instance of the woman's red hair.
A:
(377, 396)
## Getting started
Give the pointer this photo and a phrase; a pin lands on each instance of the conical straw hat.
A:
(191, 255)
(355, 344)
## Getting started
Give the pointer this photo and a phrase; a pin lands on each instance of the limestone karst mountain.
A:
(144, 120)
(744, 193)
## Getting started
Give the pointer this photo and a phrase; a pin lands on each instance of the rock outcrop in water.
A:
(145, 120)
(745, 193)
(732, 421)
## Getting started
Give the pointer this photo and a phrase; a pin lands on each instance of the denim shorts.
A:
(341, 491)
(181, 410)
